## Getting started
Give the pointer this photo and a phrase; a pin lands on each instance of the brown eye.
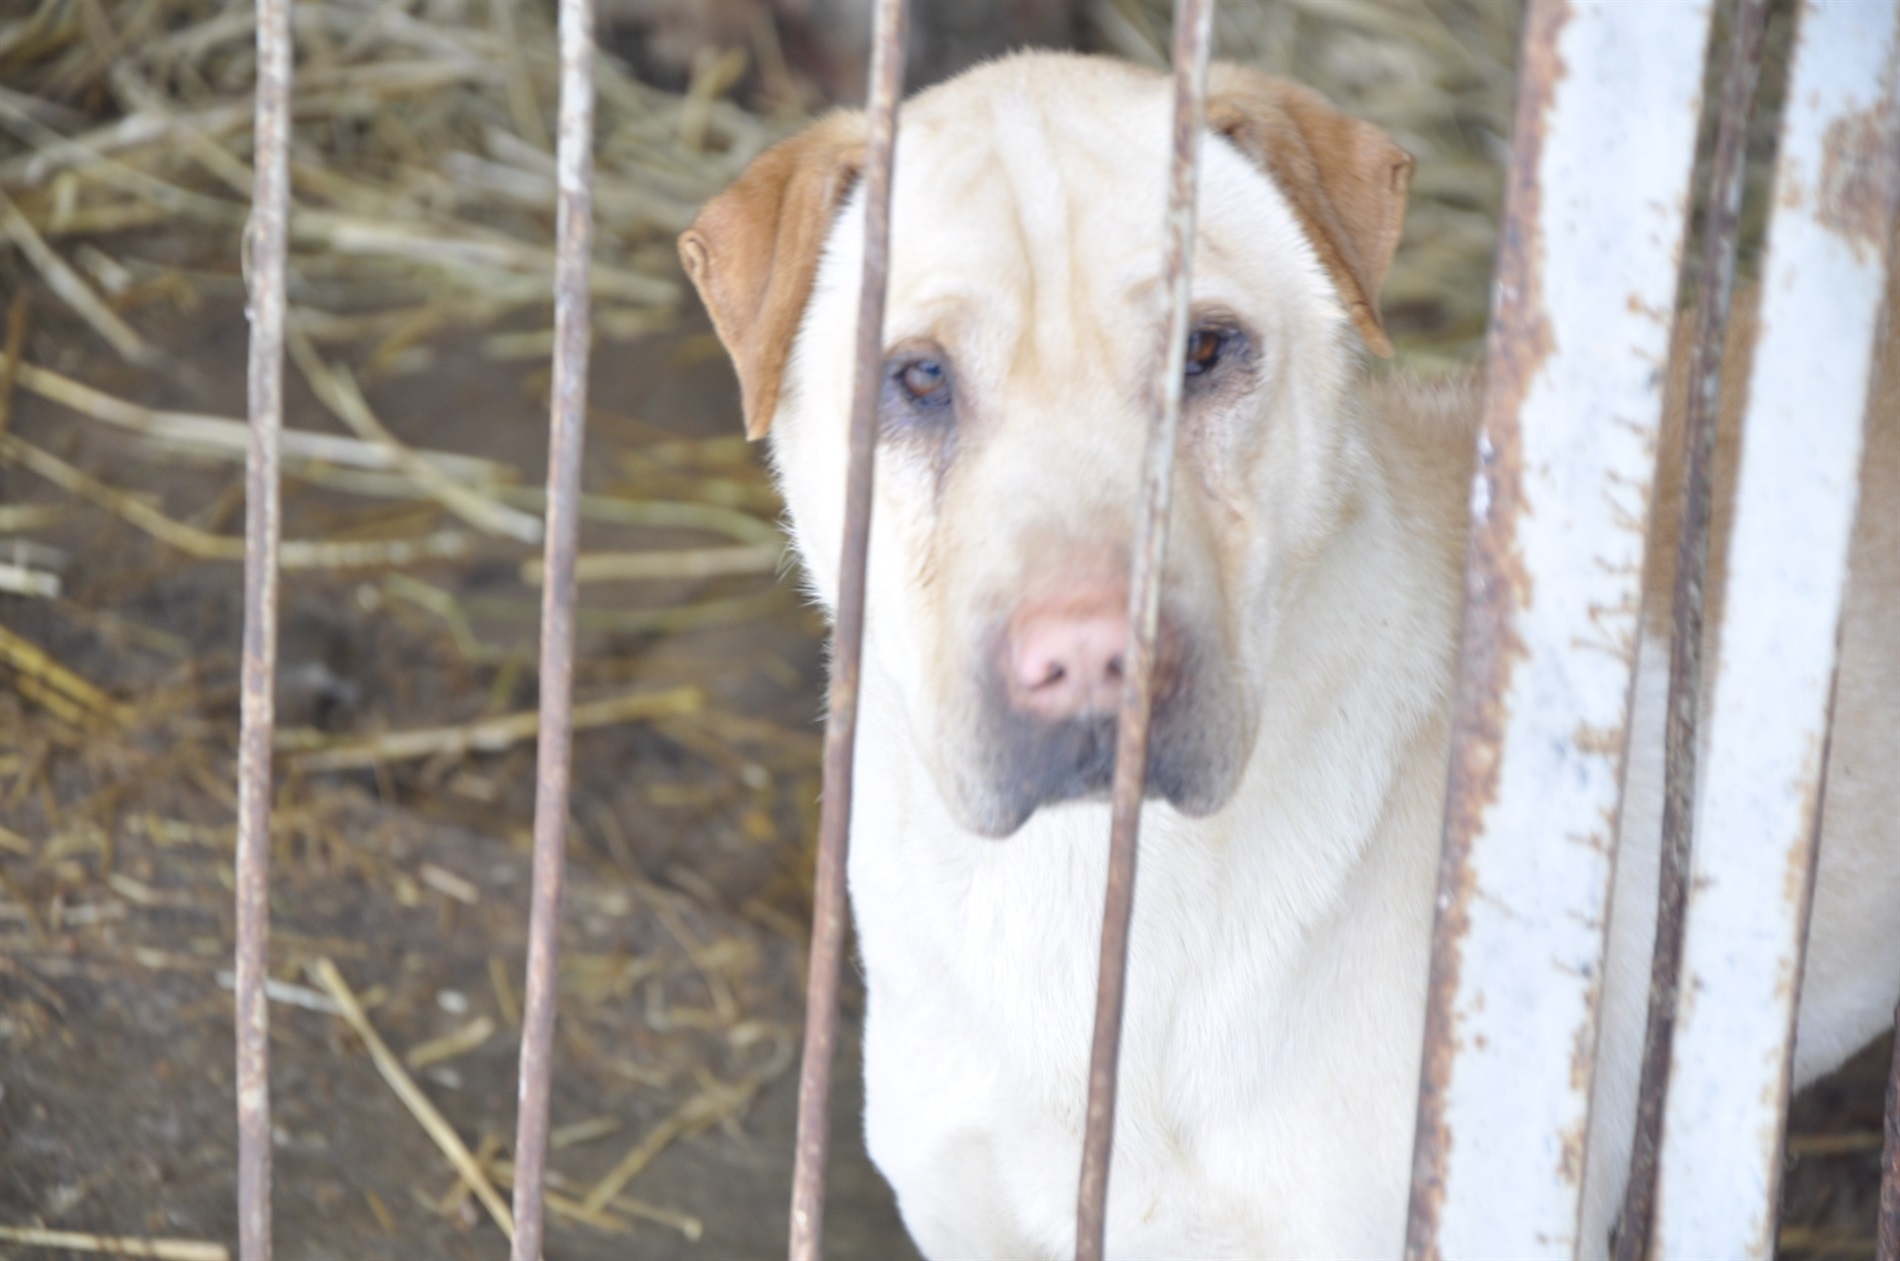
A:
(1204, 350)
(924, 383)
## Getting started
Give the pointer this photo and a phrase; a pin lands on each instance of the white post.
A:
(1759, 808)
(1608, 103)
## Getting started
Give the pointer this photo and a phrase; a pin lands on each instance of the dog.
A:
(1306, 662)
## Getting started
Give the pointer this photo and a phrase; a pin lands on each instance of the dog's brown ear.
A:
(1345, 178)
(753, 251)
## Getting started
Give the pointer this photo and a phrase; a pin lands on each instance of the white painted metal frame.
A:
(1759, 809)
(1606, 201)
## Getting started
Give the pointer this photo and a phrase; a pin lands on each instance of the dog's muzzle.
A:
(1050, 699)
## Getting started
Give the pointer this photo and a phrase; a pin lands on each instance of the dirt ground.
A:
(683, 943)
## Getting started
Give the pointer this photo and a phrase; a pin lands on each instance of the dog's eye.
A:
(1204, 349)
(922, 382)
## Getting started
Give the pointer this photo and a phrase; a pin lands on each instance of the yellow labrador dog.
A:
(1311, 606)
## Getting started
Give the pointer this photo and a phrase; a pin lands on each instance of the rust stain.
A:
(1797, 875)
(1599, 741)
(1583, 1049)
(1860, 178)
(1798, 891)
(1636, 306)
(1688, 989)
(1769, 1136)
(1797, 879)
(1887, 1241)
(1497, 586)
(1570, 1157)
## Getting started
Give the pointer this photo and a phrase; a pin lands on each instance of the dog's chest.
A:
(977, 1041)
(981, 966)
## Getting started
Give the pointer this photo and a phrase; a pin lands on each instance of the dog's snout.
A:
(1051, 701)
(1065, 656)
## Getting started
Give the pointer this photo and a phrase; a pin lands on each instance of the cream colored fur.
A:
(1277, 974)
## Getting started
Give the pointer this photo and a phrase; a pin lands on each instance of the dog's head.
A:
(1020, 354)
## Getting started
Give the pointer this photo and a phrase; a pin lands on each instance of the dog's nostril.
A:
(1065, 658)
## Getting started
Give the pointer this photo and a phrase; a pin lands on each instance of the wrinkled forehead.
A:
(1039, 202)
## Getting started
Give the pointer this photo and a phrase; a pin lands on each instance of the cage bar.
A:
(1608, 102)
(1796, 495)
(574, 214)
(1887, 1232)
(889, 22)
(1721, 225)
(1193, 38)
(268, 240)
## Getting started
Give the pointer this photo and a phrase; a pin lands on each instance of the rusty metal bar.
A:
(890, 20)
(1759, 808)
(574, 214)
(1720, 229)
(269, 243)
(1608, 100)
(1193, 39)
(1887, 1236)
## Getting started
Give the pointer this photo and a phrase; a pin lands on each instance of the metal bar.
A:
(269, 236)
(574, 215)
(1759, 807)
(1193, 38)
(889, 23)
(1720, 228)
(1887, 1237)
(1608, 100)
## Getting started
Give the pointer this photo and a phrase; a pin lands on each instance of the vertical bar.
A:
(270, 213)
(1759, 808)
(889, 23)
(1720, 228)
(1193, 36)
(574, 214)
(1887, 1236)
(1608, 101)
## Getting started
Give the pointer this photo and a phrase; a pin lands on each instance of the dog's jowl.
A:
(1307, 659)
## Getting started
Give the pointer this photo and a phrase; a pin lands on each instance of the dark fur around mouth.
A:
(1032, 763)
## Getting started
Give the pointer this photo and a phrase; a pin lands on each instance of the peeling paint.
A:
(1496, 582)
(1857, 177)
(1603, 741)
(1761, 793)
(1560, 501)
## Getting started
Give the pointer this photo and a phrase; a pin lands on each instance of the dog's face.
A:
(1020, 357)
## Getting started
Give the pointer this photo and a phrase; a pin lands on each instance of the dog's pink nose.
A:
(1065, 656)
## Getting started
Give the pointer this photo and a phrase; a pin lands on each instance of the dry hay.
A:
(422, 170)
(423, 190)
(423, 184)
(423, 194)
